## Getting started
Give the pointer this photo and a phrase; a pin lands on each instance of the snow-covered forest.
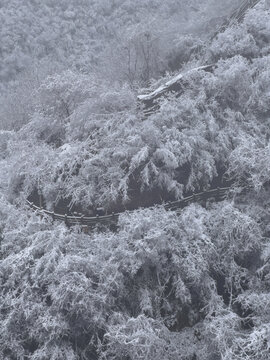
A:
(77, 80)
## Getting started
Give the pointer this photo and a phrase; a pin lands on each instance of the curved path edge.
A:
(217, 194)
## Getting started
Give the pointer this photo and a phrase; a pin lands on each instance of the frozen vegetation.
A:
(193, 285)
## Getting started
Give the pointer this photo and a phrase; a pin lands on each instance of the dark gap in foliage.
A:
(250, 261)
(222, 291)
(31, 345)
(245, 314)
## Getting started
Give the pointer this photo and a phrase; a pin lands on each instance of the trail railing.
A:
(217, 194)
(177, 83)
(151, 106)
(237, 16)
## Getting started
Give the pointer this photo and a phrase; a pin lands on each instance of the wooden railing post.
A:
(81, 219)
(53, 211)
(40, 198)
(203, 199)
(218, 194)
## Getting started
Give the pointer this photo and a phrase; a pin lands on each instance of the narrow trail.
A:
(237, 15)
(177, 84)
(150, 105)
(218, 194)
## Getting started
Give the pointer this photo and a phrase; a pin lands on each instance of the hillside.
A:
(121, 41)
(78, 81)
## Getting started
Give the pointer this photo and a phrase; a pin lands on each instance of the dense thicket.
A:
(172, 286)
(79, 33)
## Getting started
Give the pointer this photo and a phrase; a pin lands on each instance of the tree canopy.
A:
(163, 285)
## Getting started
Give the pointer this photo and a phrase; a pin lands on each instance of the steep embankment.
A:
(186, 286)
(86, 141)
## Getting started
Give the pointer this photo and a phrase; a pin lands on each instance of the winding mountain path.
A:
(177, 84)
(151, 105)
(218, 194)
(237, 15)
